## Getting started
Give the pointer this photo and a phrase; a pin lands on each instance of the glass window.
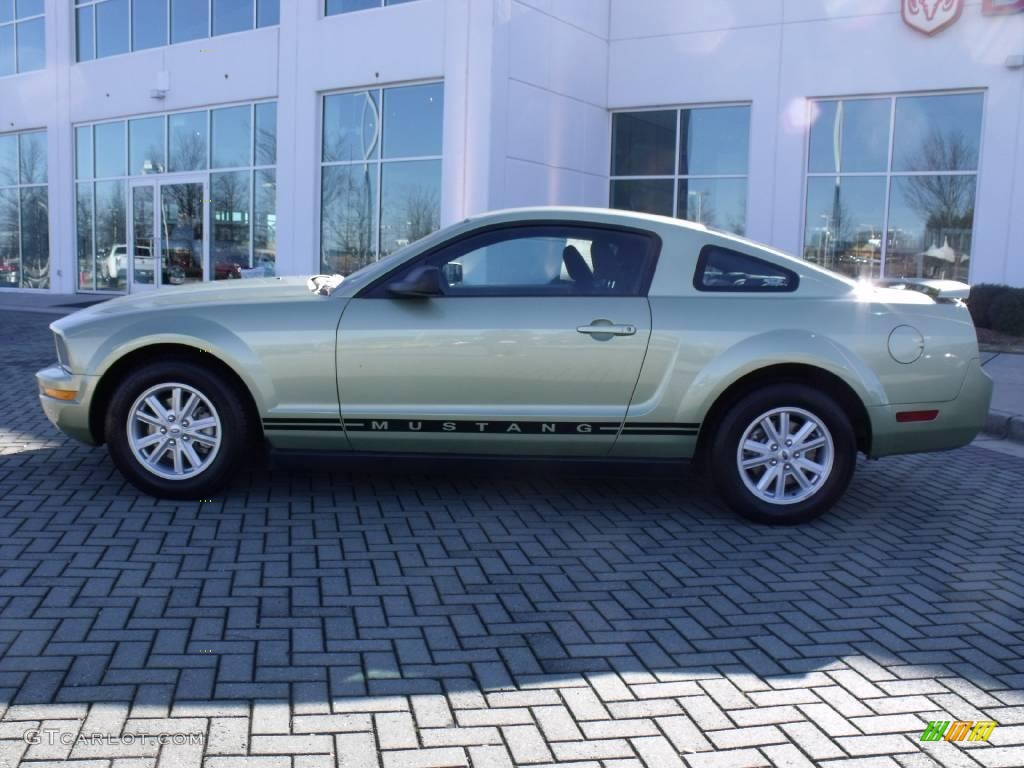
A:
(346, 6)
(35, 238)
(726, 270)
(715, 202)
(931, 219)
(358, 223)
(850, 136)
(242, 203)
(232, 136)
(8, 53)
(84, 230)
(845, 221)
(85, 46)
(24, 211)
(348, 217)
(413, 117)
(266, 133)
(653, 196)
(111, 235)
(83, 152)
(351, 125)
(189, 20)
(26, 8)
(111, 28)
(109, 149)
(929, 177)
(937, 133)
(546, 260)
(187, 141)
(149, 24)
(229, 214)
(264, 227)
(9, 173)
(644, 143)
(22, 36)
(10, 245)
(146, 146)
(31, 45)
(410, 203)
(232, 16)
(268, 12)
(701, 177)
(32, 157)
(714, 141)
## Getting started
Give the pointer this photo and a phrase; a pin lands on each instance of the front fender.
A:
(193, 330)
(779, 347)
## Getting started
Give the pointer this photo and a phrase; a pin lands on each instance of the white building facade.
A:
(150, 143)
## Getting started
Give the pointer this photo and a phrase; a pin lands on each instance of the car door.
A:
(531, 343)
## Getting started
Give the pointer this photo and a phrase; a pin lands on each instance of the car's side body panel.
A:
(488, 375)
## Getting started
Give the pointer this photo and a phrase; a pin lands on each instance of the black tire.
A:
(234, 429)
(728, 477)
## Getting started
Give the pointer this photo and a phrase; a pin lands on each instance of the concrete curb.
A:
(1006, 426)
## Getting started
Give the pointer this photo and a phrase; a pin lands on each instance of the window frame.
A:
(888, 174)
(379, 161)
(676, 177)
(166, 176)
(76, 5)
(378, 288)
(705, 255)
(14, 24)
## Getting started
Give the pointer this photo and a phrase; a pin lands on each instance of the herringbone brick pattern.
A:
(397, 616)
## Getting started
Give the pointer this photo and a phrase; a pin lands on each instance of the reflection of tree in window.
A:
(945, 204)
(349, 200)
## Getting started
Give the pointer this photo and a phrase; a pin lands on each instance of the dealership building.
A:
(146, 144)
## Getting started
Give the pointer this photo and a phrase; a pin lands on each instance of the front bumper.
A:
(958, 423)
(69, 416)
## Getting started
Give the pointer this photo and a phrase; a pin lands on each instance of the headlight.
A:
(62, 352)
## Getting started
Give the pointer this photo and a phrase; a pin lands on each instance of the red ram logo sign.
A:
(931, 16)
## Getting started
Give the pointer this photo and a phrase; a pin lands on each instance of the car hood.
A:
(250, 291)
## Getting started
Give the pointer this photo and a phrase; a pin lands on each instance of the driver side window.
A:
(547, 260)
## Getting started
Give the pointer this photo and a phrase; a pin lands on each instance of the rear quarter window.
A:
(725, 270)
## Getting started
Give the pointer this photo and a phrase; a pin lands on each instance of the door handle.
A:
(607, 328)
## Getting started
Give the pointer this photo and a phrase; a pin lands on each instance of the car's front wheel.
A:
(784, 454)
(176, 430)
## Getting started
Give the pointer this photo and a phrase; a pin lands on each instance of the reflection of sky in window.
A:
(350, 126)
(716, 140)
(231, 16)
(189, 19)
(232, 133)
(720, 203)
(149, 23)
(864, 136)
(112, 27)
(146, 145)
(413, 120)
(954, 118)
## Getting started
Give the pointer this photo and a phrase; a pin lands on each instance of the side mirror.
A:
(422, 282)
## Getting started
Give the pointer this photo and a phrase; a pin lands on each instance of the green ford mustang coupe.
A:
(556, 332)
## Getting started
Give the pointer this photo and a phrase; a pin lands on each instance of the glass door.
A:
(182, 232)
(141, 261)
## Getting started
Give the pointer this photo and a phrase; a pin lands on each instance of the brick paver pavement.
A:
(409, 617)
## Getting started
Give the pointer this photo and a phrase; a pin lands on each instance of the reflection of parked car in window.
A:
(8, 274)
(113, 266)
(557, 332)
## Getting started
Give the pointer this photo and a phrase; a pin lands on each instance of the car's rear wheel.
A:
(176, 430)
(784, 454)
